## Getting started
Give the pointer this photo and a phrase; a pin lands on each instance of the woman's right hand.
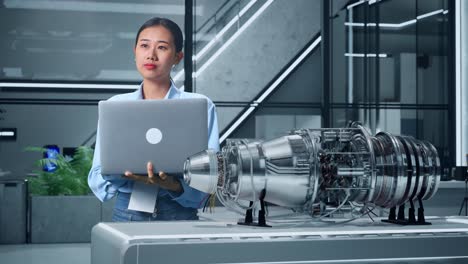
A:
(165, 181)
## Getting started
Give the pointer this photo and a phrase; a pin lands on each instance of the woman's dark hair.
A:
(169, 25)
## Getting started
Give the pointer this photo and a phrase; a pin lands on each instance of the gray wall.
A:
(65, 119)
(303, 86)
(257, 55)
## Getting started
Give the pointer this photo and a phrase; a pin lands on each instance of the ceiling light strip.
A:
(355, 4)
(354, 24)
(433, 13)
(369, 55)
(7, 133)
(371, 2)
(396, 25)
(68, 85)
(112, 7)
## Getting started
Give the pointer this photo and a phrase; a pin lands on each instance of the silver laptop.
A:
(165, 132)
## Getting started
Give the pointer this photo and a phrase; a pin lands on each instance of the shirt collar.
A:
(172, 93)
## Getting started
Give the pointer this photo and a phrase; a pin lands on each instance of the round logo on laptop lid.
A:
(153, 136)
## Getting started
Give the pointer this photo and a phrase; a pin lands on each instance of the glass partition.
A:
(461, 93)
(88, 41)
(390, 68)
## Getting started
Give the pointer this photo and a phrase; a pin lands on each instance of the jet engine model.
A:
(320, 172)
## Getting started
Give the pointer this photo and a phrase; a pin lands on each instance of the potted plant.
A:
(61, 209)
(69, 176)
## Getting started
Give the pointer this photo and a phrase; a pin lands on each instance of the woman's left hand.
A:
(162, 179)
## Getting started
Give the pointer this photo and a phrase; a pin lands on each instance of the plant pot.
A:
(63, 219)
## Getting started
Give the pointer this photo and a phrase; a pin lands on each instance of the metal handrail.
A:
(214, 16)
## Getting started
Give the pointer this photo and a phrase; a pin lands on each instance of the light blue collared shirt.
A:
(106, 186)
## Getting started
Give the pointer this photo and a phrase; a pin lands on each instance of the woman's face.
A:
(155, 53)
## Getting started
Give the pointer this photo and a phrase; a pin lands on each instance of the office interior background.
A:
(270, 66)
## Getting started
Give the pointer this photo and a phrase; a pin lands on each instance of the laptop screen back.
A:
(165, 132)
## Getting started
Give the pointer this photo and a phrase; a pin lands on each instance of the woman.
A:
(158, 47)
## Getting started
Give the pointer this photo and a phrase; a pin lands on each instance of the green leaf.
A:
(70, 177)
